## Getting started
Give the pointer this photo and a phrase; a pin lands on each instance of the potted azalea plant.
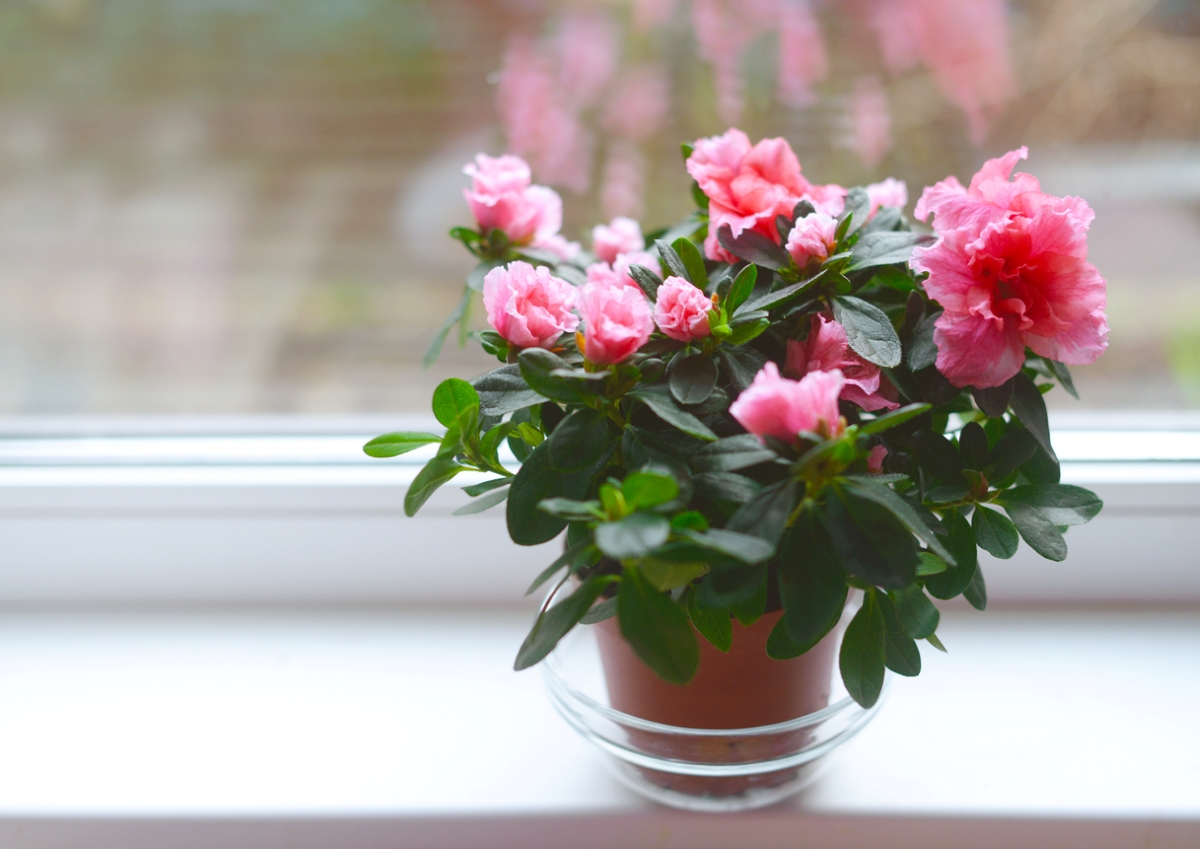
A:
(792, 398)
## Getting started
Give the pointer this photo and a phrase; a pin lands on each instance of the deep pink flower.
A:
(617, 321)
(501, 198)
(748, 186)
(813, 236)
(681, 310)
(527, 306)
(826, 349)
(890, 192)
(620, 236)
(875, 459)
(1010, 269)
(775, 406)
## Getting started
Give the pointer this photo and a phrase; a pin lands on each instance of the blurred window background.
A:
(241, 206)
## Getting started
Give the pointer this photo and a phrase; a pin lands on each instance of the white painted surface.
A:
(408, 728)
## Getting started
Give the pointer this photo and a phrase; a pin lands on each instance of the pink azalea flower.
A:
(617, 274)
(681, 310)
(774, 406)
(527, 306)
(802, 57)
(747, 186)
(620, 236)
(559, 247)
(875, 458)
(617, 321)
(891, 192)
(870, 121)
(1010, 269)
(827, 349)
(814, 236)
(501, 198)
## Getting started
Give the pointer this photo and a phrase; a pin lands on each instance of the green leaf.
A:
(739, 546)
(570, 509)
(994, 400)
(731, 453)
(753, 247)
(1013, 450)
(922, 350)
(930, 564)
(870, 542)
(884, 248)
(640, 447)
(534, 482)
(394, 444)
(657, 629)
(716, 626)
(436, 472)
(862, 658)
(452, 398)
(667, 575)
(606, 609)
(973, 445)
(1029, 407)
(994, 532)
(855, 211)
(579, 440)
(536, 365)
(1063, 375)
(1059, 503)
(643, 490)
(960, 541)
(976, 591)
(933, 640)
(478, 505)
(727, 486)
(553, 624)
(672, 261)
(748, 325)
(938, 456)
(892, 419)
(868, 330)
(1042, 468)
(480, 271)
(812, 585)
(647, 280)
(1040, 533)
(580, 556)
(636, 535)
(750, 610)
(917, 615)
(665, 407)
(900, 652)
(693, 262)
(504, 390)
(914, 516)
(741, 288)
(477, 489)
(765, 516)
(693, 379)
(769, 299)
(741, 364)
(439, 338)
(727, 587)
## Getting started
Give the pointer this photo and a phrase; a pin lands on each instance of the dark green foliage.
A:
(862, 658)
(657, 629)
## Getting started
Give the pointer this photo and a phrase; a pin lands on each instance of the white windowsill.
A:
(408, 728)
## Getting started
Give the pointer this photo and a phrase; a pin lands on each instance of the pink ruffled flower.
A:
(620, 236)
(1010, 269)
(875, 459)
(774, 406)
(527, 306)
(813, 236)
(747, 186)
(501, 198)
(617, 321)
(891, 192)
(826, 349)
(681, 310)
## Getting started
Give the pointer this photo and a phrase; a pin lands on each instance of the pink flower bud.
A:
(813, 236)
(681, 311)
(775, 406)
(621, 236)
(875, 459)
(501, 198)
(617, 322)
(527, 306)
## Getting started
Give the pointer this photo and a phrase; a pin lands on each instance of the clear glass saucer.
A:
(698, 769)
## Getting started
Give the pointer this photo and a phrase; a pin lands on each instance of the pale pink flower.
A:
(587, 48)
(617, 273)
(748, 186)
(648, 14)
(1010, 269)
(617, 322)
(875, 458)
(814, 236)
(560, 247)
(624, 179)
(637, 107)
(802, 57)
(827, 348)
(501, 198)
(681, 310)
(890, 192)
(870, 122)
(621, 235)
(527, 306)
(774, 406)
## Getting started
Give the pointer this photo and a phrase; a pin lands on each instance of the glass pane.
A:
(227, 206)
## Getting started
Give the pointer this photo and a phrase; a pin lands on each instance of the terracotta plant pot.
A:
(743, 688)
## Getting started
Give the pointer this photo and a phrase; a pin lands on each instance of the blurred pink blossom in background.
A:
(802, 58)
(621, 235)
(870, 123)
